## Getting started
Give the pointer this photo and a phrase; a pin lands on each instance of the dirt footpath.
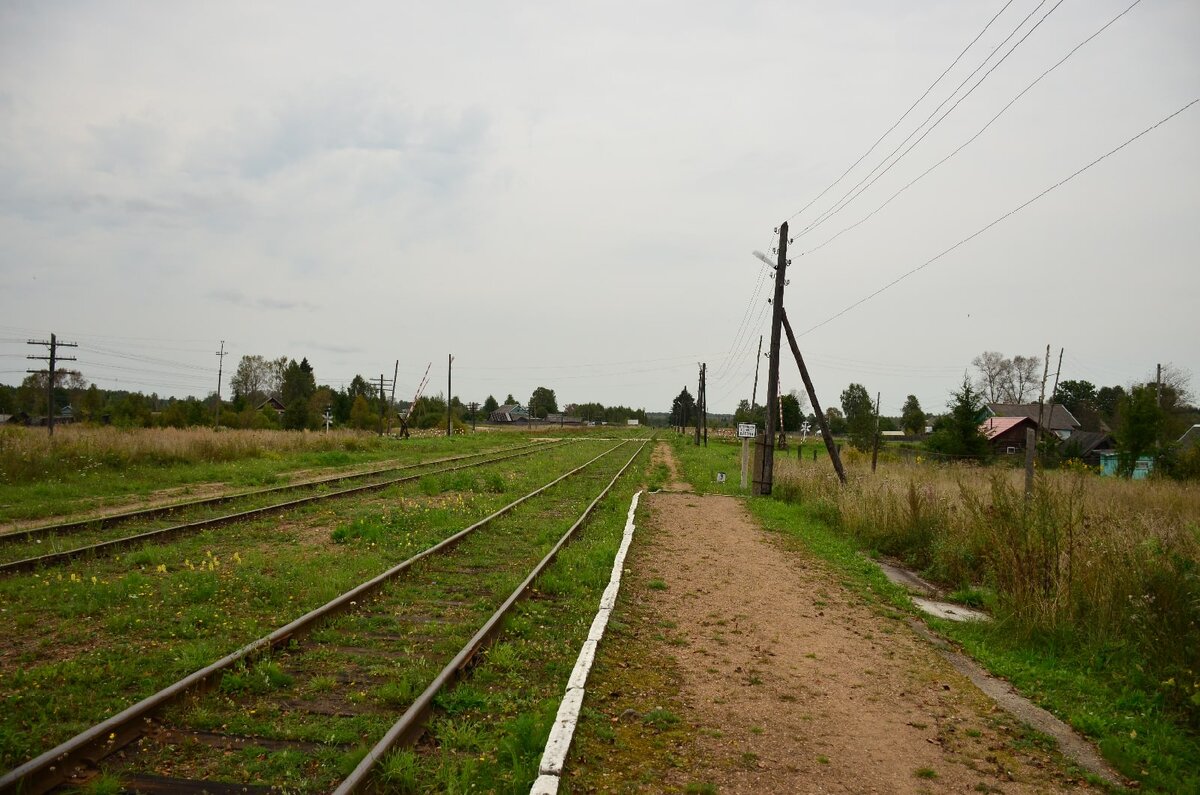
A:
(784, 680)
(809, 690)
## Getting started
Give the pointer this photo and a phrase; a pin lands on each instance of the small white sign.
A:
(720, 477)
(747, 430)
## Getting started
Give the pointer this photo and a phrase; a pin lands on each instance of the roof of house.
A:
(1191, 436)
(273, 402)
(1054, 415)
(1088, 441)
(994, 426)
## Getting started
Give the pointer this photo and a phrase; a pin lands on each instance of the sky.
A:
(569, 194)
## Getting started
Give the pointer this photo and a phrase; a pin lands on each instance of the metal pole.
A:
(449, 389)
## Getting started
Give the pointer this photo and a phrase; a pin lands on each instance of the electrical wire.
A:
(904, 115)
(972, 139)
(724, 364)
(857, 191)
(1007, 215)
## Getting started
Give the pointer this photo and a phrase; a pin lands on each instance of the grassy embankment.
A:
(1094, 584)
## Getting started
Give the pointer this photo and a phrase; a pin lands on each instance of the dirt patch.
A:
(661, 455)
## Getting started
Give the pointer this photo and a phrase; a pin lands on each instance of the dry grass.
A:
(1102, 560)
(30, 454)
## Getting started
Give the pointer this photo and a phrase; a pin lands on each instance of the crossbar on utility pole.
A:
(822, 420)
(766, 473)
(51, 372)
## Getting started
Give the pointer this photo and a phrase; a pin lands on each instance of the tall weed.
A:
(1101, 563)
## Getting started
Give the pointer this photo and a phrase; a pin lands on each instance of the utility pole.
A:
(1158, 386)
(875, 446)
(822, 420)
(704, 399)
(474, 414)
(757, 362)
(1042, 397)
(221, 354)
(683, 410)
(449, 390)
(51, 372)
(766, 474)
(383, 404)
(699, 402)
(392, 399)
(1054, 391)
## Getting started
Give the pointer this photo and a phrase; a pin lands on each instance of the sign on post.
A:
(746, 432)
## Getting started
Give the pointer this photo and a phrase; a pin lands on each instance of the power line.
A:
(746, 343)
(904, 115)
(972, 139)
(149, 359)
(1008, 214)
(762, 276)
(855, 191)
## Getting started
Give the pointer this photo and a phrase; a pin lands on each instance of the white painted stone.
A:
(545, 785)
(609, 599)
(950, 611)
(583, 664)
(559, 741)
(598, 625)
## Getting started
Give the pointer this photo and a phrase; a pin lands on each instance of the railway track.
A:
(333, 680)
(16, 546)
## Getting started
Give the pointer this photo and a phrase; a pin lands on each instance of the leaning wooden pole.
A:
(812, 398)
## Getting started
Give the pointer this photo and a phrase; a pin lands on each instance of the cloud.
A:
(237, 298)
(320, 346)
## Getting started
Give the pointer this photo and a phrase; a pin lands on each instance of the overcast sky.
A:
(568, 194)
